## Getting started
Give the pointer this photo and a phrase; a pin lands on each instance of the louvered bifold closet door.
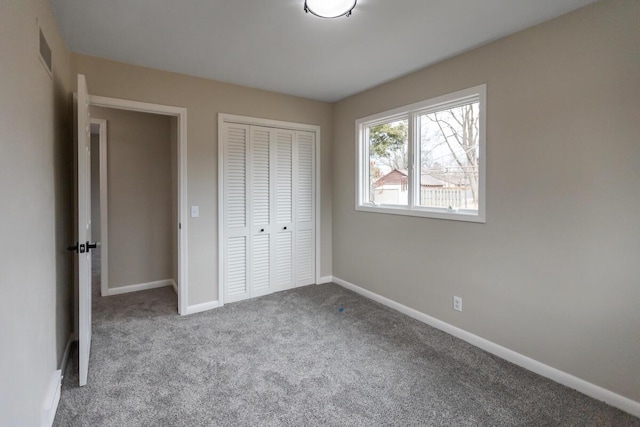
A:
(284, 204)
(304, 179)
(260, 190)
(235, 214)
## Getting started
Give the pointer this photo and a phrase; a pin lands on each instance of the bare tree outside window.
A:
(449, 157)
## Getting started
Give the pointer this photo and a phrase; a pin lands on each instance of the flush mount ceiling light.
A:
(330, 8)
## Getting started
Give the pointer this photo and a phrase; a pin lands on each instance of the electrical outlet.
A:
(457, 303)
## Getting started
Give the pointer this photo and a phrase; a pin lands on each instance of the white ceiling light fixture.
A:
(330, 8)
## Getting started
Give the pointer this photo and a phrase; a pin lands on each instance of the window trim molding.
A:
(411, 112)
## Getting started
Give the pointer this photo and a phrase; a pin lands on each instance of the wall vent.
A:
(45, 53)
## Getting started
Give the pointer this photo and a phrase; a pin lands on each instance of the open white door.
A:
(84, 244)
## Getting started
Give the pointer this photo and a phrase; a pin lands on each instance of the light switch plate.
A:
(195, 211)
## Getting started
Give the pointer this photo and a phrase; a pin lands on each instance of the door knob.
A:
(262, 230)
(77, 248)
(92, 245)
(285, 228)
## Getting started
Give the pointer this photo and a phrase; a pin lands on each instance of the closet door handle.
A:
(284, 228)
(262, 230)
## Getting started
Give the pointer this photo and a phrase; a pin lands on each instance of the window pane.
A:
(449, 158)
(388, 163)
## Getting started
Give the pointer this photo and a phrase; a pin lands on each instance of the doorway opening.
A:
(140, 212)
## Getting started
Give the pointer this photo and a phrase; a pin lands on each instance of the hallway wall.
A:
(139, 158)
(95, 187)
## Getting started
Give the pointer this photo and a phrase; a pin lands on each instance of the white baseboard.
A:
(592, 390)
(139, 287)
(175, 286)
(324, 279)
(51, 399)
(65, 355)
(199, 308)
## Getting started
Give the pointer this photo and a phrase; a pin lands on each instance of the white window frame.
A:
(412, 112)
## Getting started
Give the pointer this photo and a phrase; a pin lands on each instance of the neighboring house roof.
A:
(399, 177)
(395, 177)
(429, 181)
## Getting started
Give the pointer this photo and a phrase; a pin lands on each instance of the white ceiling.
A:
(274, 45)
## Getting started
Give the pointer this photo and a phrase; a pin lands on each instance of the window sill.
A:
(466, 216)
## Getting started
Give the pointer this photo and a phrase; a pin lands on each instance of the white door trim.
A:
(181, 114)
(104, 223)
(254, 121)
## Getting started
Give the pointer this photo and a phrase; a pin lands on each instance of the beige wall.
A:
(36, 215)
(553, 274)
(139, 196)
(204, 99)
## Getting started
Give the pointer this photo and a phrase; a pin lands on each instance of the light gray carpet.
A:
(294, 359)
